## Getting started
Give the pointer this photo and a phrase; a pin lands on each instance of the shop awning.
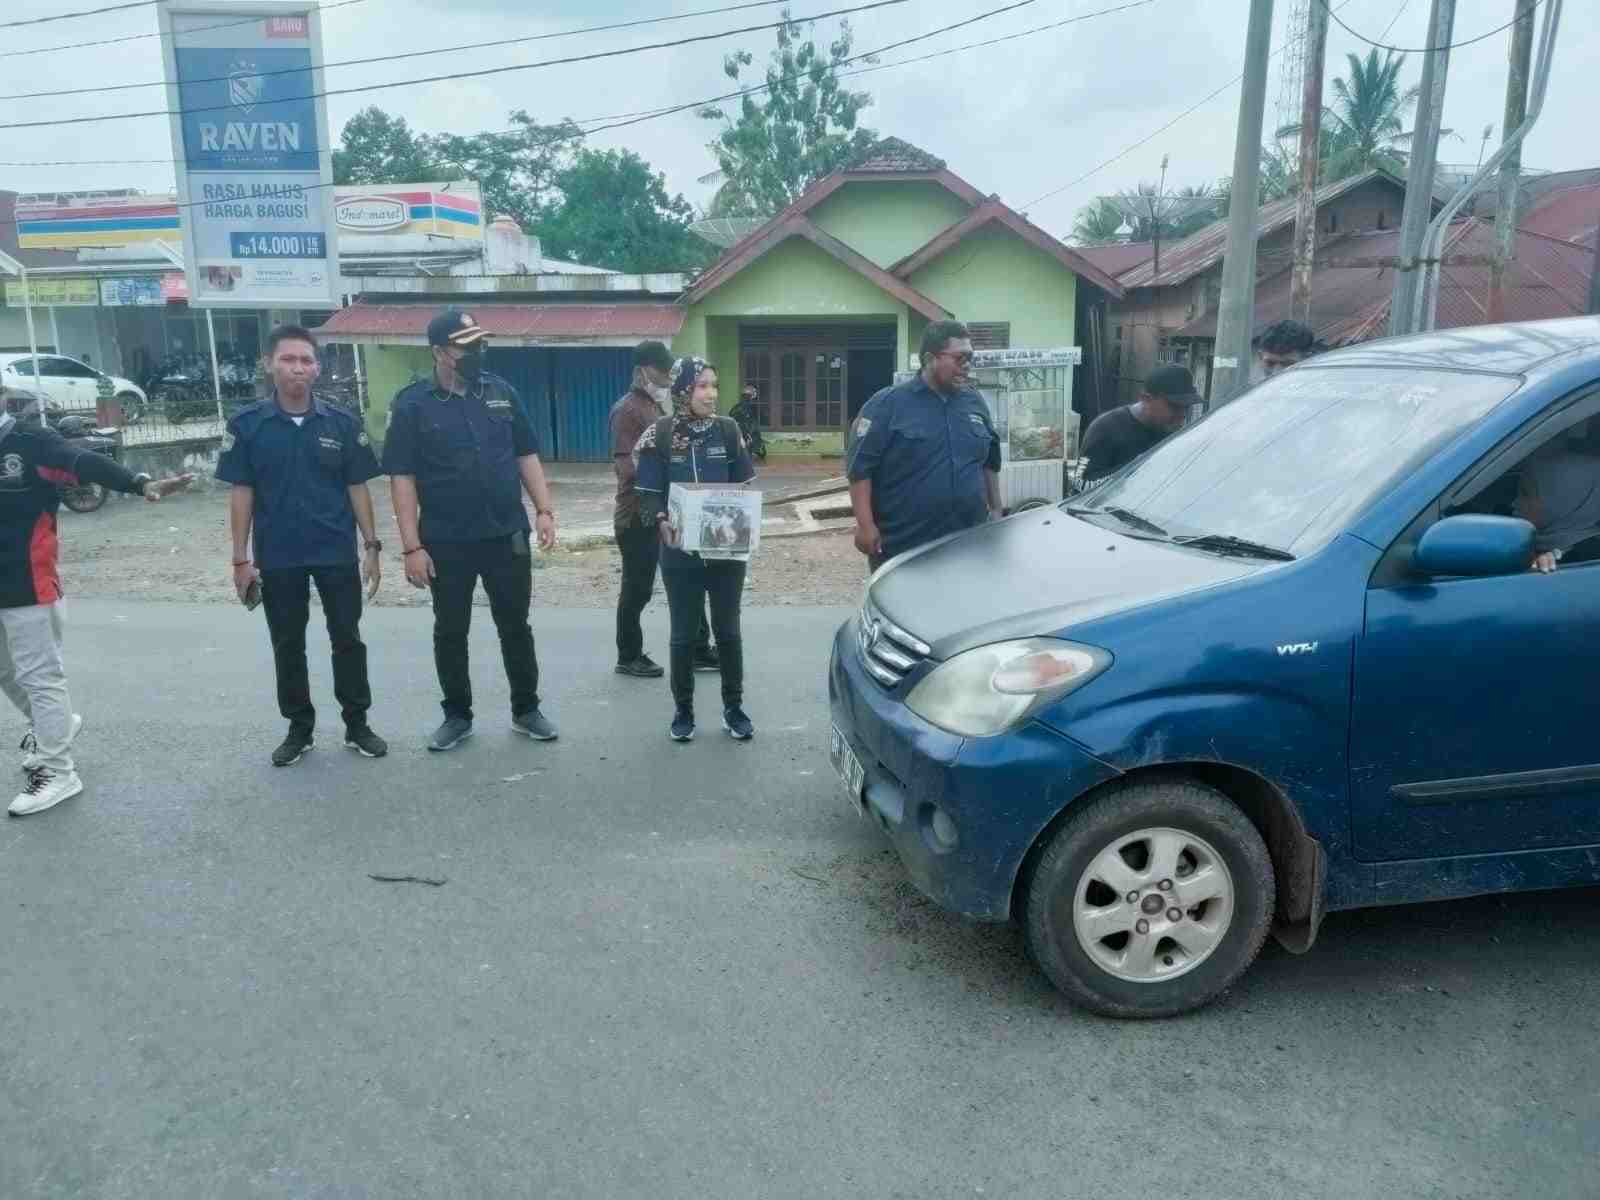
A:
(509, 324)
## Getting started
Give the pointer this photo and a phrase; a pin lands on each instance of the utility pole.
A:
(1424, 158)
(1505, 223)
(1155, 220)
(1230, 369)
(1305, 213)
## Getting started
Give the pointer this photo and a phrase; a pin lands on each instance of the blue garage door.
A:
(568, 394)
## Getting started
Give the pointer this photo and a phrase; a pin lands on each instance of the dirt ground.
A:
(179, 551)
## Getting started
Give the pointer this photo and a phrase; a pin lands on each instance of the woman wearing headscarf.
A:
(695, 445)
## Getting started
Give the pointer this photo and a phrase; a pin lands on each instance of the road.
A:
(663, 971)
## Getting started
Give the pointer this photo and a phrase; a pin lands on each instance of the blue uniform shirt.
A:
(301, 475)
(926, 456)
(463, 452)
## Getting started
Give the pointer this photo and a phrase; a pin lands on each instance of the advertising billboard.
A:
(250, 136)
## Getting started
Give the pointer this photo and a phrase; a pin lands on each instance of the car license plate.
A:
(851, 774)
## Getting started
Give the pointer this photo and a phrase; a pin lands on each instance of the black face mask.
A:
(469, 367)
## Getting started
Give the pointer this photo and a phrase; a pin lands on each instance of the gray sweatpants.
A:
(35, 680)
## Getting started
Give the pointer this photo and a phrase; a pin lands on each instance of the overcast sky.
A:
(1020, 119)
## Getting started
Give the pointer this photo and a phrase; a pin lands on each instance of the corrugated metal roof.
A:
(1548, 279)
(514, 322)
(1570, 214)
(1117, 257)
(1201, 250)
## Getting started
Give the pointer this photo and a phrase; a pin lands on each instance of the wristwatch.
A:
(141, 481)
(375, 546)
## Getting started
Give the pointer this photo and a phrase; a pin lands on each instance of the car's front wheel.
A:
(1151, 901)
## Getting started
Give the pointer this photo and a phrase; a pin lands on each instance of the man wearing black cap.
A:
(460, 446)
(647, 401)
(1118, 437)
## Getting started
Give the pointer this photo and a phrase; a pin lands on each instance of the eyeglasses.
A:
(963, 357)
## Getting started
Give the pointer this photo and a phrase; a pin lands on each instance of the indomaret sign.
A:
(254, 172)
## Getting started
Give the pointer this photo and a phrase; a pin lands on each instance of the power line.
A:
(88, 12)
(1472, 41)
(1395, 20)
(140, 37)
(479, 74)
(638, 116)
(1121, 154)
(357, 62)
(635, 118)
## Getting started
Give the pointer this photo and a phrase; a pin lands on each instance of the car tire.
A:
(1106, 869)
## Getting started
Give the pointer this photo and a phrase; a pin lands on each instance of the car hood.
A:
(1035, 574)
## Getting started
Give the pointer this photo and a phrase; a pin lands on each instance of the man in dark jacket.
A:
(35, 462)
(1118, 437)
(648, 399)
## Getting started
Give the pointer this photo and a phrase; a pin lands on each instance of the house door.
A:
(801, 387)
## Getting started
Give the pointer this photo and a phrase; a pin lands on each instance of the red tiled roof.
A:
(1204, 249)
(1118, 257)
(893, 154)
(514, 322)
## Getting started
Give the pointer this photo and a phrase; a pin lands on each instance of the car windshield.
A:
(1289, 463)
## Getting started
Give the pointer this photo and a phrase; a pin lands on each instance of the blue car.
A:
(1336, 645)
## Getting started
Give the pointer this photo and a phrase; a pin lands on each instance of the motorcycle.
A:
(85, 435)
(744, 414)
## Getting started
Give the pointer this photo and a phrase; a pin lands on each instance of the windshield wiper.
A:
(1225, 543)
(1131, 519)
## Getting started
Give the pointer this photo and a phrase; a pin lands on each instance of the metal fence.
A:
(178, 414)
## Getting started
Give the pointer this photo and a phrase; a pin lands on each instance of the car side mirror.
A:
(1472, 544)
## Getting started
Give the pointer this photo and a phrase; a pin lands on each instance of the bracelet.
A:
(411, 551)
(242, 562)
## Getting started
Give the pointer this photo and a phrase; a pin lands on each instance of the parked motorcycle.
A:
(82, 433)
(744, 414)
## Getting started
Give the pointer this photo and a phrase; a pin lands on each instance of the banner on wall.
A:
(250, 137)
(52, 293)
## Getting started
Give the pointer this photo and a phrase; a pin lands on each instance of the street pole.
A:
(1236, 309)
(1424, 159)
(1305, 213)
(216, 375)
(1505, 224)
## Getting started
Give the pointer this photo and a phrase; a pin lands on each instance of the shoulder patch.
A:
(362, 439)
(863, 425)
(228, 440)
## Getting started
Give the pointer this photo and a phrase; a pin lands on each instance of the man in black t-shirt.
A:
(1118, 437)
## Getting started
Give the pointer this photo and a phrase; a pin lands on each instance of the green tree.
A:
(1098, 223)
(378, 148)
(805, 128)
(516, 170)
(1365, 126)
(615, 212)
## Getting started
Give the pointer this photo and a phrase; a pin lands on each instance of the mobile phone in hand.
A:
(252, 595)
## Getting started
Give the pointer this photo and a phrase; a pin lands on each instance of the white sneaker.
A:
(31, 761)
(45, 790)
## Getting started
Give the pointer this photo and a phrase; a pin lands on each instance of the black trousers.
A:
(688, 588)
(641, 554)
(286, 598)
(506, 568)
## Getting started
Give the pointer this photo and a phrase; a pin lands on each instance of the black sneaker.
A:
(365, 742)
(293, 749)
(682, 725)
(643, 667)
(534, 725)
(451, 734)
(706, 658)
(739, 726)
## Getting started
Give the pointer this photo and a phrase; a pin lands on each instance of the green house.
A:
(823, 303)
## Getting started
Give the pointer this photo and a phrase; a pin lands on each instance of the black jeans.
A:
(688, 589)
(506, 568)
(641, 554)
(286, 598)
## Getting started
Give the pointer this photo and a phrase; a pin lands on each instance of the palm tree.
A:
(1097, 223)
(1365, 125)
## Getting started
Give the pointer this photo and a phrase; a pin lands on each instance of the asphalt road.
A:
(674, 972)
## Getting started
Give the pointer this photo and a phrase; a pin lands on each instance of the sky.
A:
(1020, 119)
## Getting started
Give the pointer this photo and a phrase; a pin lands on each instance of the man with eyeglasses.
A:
(924, 459)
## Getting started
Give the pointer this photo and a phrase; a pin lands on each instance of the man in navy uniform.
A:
(299, 469)
(924, 459)
(461, 449)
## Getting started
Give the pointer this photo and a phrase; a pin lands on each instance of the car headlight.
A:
(987, 690)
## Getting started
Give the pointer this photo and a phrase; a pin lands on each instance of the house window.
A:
(830, 390)
(1383, 219)
(757, 369)
(792, 377)
(1333, 222)
(990, 335)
